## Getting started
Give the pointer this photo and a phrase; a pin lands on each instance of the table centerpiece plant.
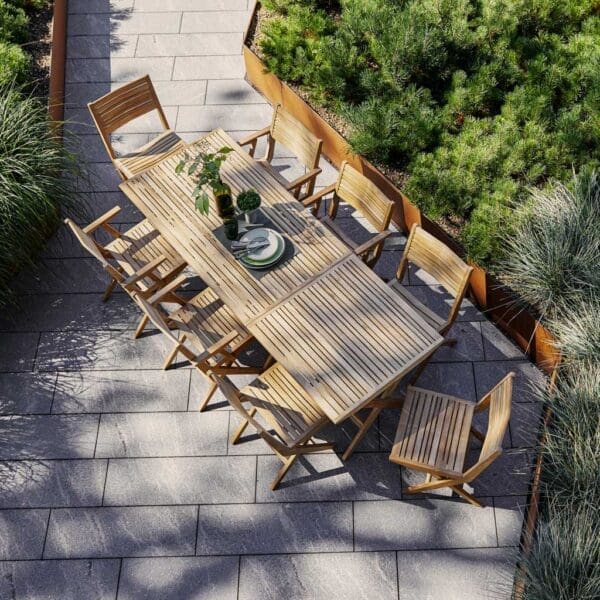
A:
(205, 169)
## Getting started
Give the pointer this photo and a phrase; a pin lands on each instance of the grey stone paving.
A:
(112, 485)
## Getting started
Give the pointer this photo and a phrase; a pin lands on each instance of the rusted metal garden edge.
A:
(56, 94)
(499, 304)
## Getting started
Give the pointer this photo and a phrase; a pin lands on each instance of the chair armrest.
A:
(168, 289)
(217, 347)
(317, 197)
(145, 271)
(372, 243)
(103, 220)
(300, 181)
(253, 138)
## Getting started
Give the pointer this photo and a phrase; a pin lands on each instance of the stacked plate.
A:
(267, 256)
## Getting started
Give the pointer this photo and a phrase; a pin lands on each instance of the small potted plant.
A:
(247, 202)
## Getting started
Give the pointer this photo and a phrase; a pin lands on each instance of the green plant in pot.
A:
(247, 202)
(205, 167)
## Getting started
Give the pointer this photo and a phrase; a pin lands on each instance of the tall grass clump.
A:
(563, 564)
(36, 181)
(554, 248)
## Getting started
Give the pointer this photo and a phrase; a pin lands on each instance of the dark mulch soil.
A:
(39, 47)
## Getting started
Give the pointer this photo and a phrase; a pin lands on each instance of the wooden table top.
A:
(323, 314)
(165, 199)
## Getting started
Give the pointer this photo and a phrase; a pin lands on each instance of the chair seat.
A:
(284, 405)
(431, 318)
(148, 155)
(140, 245)
(205, 320)
(433, 433)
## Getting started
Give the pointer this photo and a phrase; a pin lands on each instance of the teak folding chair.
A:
(449, 270)
(276, 398)
(210, 337)
(286, 130)
(119, 107)
(365, 197)
(138, 259)
(433, 436)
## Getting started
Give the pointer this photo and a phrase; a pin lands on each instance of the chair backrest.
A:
(90, 244)
(293, 135)
(355, 189)
(123, 105)
(234, 397)
(497, 401)
(434, 257)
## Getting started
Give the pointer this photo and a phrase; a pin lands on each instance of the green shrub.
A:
(14, 63)
(564, 562)
(13, 22)
(34, 182)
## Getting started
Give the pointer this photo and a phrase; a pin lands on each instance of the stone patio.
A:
(112, 485)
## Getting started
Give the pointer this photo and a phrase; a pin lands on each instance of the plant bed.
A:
(453, 102)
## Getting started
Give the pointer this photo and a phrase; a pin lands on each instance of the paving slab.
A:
(274, 528)
(205, 5)
(468, 347)
(101, 46)
(497, 346)
(509, 511)
(48, 436)
(473, 574)
(22, 533)
(232, 91)
(324, 477)
(529, 381)
(51, 483)
(253, 116)
(26, 393)
(189, 44)
(64, 579)
(219, 21)
(162, 434)
(17, 351)
(195, 578)
(124, 531)
(423, 523)
(99, 350)
(123, 22)
(335, 576)
(197, 480)
(206, 67)
(121, 391)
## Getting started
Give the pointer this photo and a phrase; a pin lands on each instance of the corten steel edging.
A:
(56, 94)
(499, 304)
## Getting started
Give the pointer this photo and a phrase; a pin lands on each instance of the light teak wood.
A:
(139, 259)
(292, 134)
(346, 338)
(448, 269)
(281, 412)
(366, 198)
(119, 107)
(434, 431)
(210, 336)
(166, 200)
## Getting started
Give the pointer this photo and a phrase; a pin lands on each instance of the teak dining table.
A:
(323, 314)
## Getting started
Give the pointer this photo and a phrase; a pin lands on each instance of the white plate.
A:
(265, 253)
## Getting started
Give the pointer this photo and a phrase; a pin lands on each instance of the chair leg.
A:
(170, 357)
(242, 428)
(141, 325)
(270, 360)
(469, 497)
(287, 463)
(109, 290)
(361, 432)
(212, 388)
